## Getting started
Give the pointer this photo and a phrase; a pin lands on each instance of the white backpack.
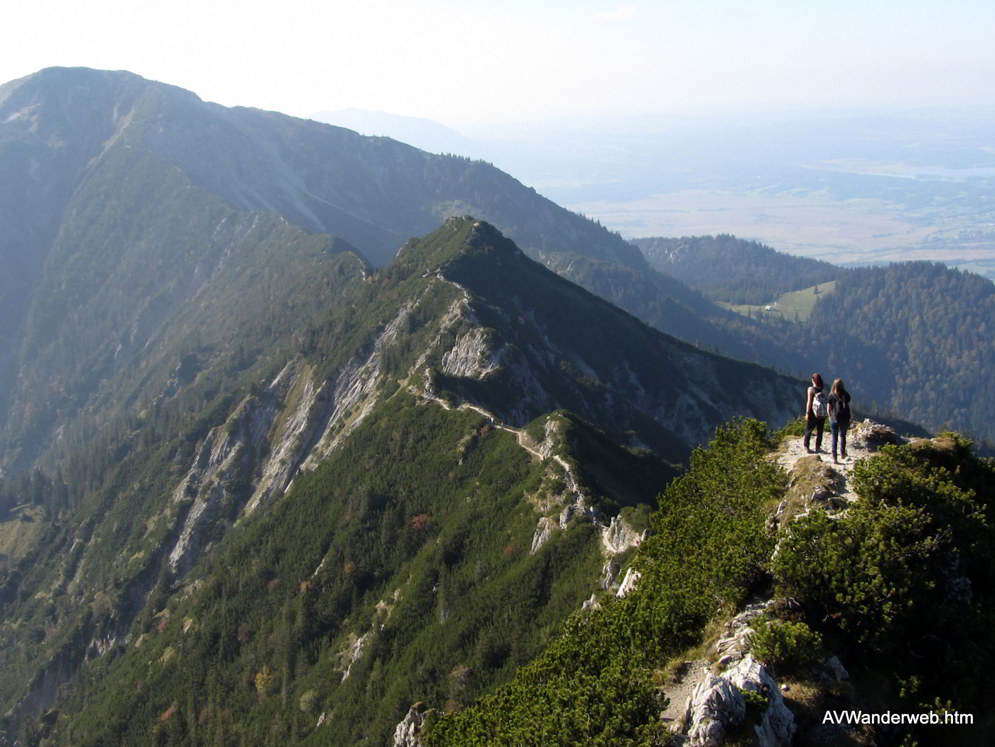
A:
(820, 405)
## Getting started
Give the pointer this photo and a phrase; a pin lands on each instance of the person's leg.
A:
(820, 424)
(834, 427)
(843, 430)
(809, 425)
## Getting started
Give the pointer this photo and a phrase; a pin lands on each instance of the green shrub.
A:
(793, 429)
(756, 705)
(308, 702)
(784, 644)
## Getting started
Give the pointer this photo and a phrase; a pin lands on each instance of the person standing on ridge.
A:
(816, 409)
(839, 416)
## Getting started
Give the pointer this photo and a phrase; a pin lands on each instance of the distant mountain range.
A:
(854, 187)
(424, 134)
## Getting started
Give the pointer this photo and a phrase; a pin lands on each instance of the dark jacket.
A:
(834, 405)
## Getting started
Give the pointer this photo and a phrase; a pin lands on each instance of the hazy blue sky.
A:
(461, 61)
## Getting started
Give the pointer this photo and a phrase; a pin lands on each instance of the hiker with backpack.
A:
(839, 416)
(816, 410)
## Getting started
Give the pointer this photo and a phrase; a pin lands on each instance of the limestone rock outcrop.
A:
(407, 731)
(718, 706)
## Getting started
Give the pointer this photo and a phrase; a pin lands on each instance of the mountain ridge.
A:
(302, 186)
(463, 319)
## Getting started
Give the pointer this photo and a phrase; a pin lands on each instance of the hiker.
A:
(816, 409)
(839, 416)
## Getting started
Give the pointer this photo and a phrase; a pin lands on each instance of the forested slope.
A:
(915, 340)
(911, 339)
(932, 329)
(248, 522)
(724, 268)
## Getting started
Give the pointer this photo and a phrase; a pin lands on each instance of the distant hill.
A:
(373, 192)
(915, 338)
(417, 131)
(725, 268)
(911, 339)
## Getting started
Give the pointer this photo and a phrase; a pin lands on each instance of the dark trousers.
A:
(839, 430)
(818, 425)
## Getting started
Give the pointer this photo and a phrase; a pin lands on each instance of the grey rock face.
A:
(718, 705)
(632, 577)
(714, 707)
(777, 725)
(407, 731)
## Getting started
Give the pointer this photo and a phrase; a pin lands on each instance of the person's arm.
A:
(808, 403)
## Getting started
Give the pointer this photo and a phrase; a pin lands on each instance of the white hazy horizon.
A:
(464, 63)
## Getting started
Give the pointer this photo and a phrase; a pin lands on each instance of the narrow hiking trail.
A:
(578, 501)
(524, 440)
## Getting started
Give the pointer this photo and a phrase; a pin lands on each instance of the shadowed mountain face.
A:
(577, 351)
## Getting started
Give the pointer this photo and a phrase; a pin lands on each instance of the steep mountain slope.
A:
(407, 438)
(373, 192)
(147, 262)
(71, 138)
(678, 387)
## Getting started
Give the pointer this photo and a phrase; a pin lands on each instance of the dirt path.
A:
(863, 439)
(524, 440)
(689, 674)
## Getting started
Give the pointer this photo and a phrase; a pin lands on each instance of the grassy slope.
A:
(794, 305)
